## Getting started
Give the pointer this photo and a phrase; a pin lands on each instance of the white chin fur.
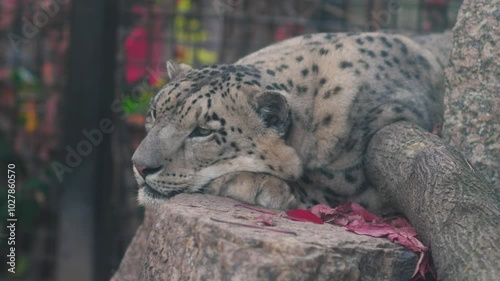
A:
(148, 201)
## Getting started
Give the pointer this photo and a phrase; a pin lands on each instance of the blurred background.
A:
(75, 80)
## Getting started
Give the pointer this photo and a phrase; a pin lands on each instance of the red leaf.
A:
(424, 268)
(400, 223)
(437, 129)
(359, 210)
(340, 220)
(322, 210)
(303, 215)
(265, 220)
(371, 230)
(357, 219)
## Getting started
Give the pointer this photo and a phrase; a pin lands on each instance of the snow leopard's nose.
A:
(144, 171)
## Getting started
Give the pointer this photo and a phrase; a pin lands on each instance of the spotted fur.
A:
(287, 126)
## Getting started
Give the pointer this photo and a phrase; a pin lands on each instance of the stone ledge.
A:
(184, 243)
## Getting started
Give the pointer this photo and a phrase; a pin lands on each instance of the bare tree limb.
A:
(448, 202)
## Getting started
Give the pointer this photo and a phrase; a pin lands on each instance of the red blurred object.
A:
(357, 219)
(303, 215)
(287, 31)
(143, 49)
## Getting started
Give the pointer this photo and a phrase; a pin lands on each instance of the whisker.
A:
(181, 170)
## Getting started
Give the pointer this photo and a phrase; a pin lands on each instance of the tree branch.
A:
(452, 207)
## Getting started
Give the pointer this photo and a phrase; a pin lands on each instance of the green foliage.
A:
(29, 196)
(27, 207)
(137, 105)
(22, 265)
(139, 102)
(26, 83)
(5, 152)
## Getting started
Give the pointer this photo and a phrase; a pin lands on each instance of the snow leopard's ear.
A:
(274, 110)
(174, 69)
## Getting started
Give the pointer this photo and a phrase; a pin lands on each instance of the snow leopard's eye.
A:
(200, 132)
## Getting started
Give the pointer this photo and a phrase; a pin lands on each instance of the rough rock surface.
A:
(472, 100)
(185, 243)
(131, 264)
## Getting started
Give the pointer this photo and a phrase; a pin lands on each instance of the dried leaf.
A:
(323, 210)
(424, 268)
(357, 219)
(370, 230)
(359, 210)
(437, 129)
(265, 220)
(303, 215)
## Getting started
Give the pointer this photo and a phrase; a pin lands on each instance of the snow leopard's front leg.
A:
(256, 189)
